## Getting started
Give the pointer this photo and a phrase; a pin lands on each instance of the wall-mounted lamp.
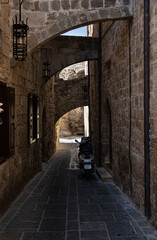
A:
(46, 68)
(20, 37)
(46, 71)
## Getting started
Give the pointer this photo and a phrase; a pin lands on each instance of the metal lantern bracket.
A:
(20, 37)
(46, 71)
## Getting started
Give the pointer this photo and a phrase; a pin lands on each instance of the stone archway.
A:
(64, 51)
(69, 95)
(48, 19)
(72, 123)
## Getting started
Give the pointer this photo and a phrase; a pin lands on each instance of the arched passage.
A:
(51, 18)
(64, 51)
(72, 123)
(69, 95)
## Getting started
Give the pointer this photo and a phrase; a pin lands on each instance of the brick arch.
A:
(69, 95)
(48, 19)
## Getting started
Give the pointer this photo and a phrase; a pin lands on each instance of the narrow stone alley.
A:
(59, 203)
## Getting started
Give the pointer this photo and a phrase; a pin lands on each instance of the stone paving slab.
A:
(59, 203)
(44, 236)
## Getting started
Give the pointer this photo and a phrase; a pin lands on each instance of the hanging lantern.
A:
(46, 67)
(46, 71)
(20, 37)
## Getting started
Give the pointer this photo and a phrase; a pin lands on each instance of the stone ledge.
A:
(103, 175)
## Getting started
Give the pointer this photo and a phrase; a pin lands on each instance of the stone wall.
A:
(115, 85)
(21, 167)
(25, 78)
(5, 48)
(153, 107)
(48, 128)
(94, 108)
(94, 99)
(5, 45)
(72, 123)
(122, 101)
(70, 95)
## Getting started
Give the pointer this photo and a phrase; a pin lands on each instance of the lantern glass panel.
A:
(46, 71)
(20, 41)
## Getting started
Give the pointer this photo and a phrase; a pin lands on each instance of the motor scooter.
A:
(86, 157)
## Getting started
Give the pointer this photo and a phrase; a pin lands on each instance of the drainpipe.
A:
(99, 87)
(147, 107)
(89, 100)
(130, 93)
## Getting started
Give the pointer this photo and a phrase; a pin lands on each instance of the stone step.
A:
(103, 175)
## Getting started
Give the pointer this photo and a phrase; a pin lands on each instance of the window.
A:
(33, 118)
(7, 116)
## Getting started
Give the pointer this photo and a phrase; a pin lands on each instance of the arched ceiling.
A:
(48, 19)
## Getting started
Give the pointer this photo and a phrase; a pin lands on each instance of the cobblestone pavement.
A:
(60, 204)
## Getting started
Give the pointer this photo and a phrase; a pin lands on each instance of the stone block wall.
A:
(48, 128)
(5, 48)
(123, 92)
(115, 89)
(72, 122)
(153, 107)
(94, 99)
(5, 45)
(25, 78)
(70, 95)
(50, 18)
(94, 108)
(20, 168)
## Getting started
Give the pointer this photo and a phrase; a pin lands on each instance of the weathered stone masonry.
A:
(122, 111)
(153, 106)
(64, 51)
(122, 54)
(50, 18)
(115, 96)
(72, 123)
(5, 48)
(25, 78)
(70, 95)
